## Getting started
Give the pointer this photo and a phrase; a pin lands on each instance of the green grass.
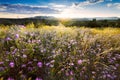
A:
(59, 53)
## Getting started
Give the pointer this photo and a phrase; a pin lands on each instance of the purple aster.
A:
(39, 64)
(10, 78)
(24, 65)
(17, 35)
(2, 68)
(30, 62)
(24, 56)
(30, 68)
(38, 78)
(52, 61)
(71, 73)
(51, 65)
(80, 62)
(67, 74)
(1, 62)
(93, 72)
(7, 52)
(22, 26)
(14, 51)
(71, 64)
(11, 64)
(47, 64)
(8, 39)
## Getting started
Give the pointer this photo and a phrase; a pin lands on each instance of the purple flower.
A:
(52, 61)
(67, 74)
(17, 35)
(30, 62)
(30, 68)
(108, 75)
(38, 78)
(14, 51)
(39, 64)
(11, 64)
(10, 78)
(8, 39)
(2, 68)
(24, 56)
(7, 52)
(51, 65)
(47, 64)
(71, 73)
(1, 62)
(93, 72)
(71, 64)
(116, 65)
(24, 65)
(22, 26)
(80, 62)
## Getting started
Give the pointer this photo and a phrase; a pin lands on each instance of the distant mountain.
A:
(97, 18)
(44, 17)
(75, 19)
(50, 20)
(107, 18)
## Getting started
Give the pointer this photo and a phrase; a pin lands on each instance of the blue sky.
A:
(59, 8)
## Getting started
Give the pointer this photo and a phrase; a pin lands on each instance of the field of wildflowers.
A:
(59, 53)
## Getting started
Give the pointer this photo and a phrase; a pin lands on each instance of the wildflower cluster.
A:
(57, 54)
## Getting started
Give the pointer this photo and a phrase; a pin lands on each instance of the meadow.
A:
(59, 53)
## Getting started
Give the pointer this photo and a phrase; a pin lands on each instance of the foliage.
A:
(55, 53)
(92, 23)
(39, 22)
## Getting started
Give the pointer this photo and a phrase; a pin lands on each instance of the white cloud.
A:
(57, 5)
(11, 15)
(75, 10)
(95, 1)
(26, 9)
(109, 4)
(114, 5)
(86, 3)
(117, 5)
(3, 8)
(75, 13)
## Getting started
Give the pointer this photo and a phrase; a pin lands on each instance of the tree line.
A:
(93, 23)
(54, 22)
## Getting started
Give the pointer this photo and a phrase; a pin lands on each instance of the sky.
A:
(59, 8)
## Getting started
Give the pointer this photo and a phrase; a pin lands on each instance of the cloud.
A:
(86, 3)
(95, 1)
(3, 8)
(57, 5)
(15, 15)
(109, 4)
(84, 13)
(26, 9)
(114, 5)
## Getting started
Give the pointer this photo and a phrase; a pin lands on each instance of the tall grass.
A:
(59, 53)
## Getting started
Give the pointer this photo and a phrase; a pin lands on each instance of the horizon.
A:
(111, 17)
(59, 9)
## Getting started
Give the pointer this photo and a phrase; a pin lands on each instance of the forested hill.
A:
(49, 20)
(25, 21)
